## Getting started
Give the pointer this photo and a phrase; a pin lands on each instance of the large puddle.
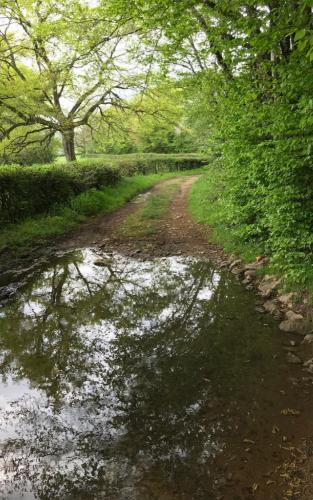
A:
(137, 380)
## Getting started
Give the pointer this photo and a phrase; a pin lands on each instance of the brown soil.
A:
(177, 233)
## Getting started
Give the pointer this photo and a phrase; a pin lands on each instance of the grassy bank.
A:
(21, 237)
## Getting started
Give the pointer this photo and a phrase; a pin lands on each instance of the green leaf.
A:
(300, 34)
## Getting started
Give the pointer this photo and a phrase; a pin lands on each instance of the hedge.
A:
(36, 190)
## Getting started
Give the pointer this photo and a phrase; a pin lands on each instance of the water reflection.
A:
(116, 379)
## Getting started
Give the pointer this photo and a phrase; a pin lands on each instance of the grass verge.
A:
(21, 237)
(145, 220)
(208, 207)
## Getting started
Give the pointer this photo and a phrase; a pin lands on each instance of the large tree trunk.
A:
(69, 144)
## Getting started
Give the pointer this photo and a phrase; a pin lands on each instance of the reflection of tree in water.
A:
(127, 357)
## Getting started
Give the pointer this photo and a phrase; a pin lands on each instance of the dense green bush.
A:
(29, 191)
(263, 139)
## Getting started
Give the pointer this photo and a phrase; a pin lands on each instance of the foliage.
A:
(77, 63)
(29, 191)
(158, 126)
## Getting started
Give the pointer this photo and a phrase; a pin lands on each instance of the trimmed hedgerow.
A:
(25, 192)
(30, 191)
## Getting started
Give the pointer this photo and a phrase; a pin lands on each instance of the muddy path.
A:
(128, 347)
(176, 233)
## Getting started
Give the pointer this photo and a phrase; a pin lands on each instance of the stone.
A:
(270, 306)
(252, 266)
(267, 286)
(308, 365)
(308, 362)
(250, 274)
(293, 359)
(308, 339)
(249, 287)
(234, 264)
(292, 315)
(225, 263)
(101, 262)
(294, 323)
(237, 271)
(277, 315)
(286, 299)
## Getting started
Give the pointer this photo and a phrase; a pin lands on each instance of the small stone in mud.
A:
(309, 365)
(286, 299)
(101, 262)
(253, 265)
(308, 339)
(270, 306)
(225, 263)
(260, 309)
(293, 359)
(290, 412)
(250, 274)
(268, 286)
(249, 287)
(277, 315)
(293, 323)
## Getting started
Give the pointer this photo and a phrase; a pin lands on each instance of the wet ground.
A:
(141, 379)
(126, 377)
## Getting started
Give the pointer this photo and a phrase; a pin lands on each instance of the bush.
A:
(35, 190)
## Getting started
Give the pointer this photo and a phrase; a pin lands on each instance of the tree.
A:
(159, 127)
(60, 63)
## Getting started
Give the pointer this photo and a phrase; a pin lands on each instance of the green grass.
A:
(208, 207)
(18, 238)
(144, 221)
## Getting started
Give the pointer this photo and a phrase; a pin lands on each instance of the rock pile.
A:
(281, 306)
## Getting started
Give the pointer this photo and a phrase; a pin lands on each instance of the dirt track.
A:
(177, 233)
